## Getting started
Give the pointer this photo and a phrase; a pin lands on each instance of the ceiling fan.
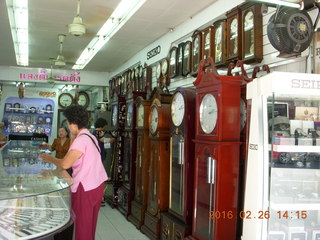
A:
(77, 28)
(60, 61)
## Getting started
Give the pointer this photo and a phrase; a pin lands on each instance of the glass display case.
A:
(35, 196)
(28, 116)
(282, 199)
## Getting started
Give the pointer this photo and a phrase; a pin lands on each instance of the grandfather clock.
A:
(158, 170)
(139, 204)
(118, 109)
(177, 222)
(126, 191)
(217, 145)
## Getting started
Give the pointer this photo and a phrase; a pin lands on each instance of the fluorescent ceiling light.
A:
(118, 18)
(293, 4)
(18, 18)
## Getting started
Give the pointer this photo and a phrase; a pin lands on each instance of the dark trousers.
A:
(86, 205)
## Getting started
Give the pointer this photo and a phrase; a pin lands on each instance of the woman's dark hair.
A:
(100, 123)
(78, 115)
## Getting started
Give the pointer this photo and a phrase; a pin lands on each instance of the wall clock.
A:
(234, 35)
(186, 60)
(158, 73)
(165, 82)
(179, 59)
(141, 79)
(251, 33)
(83, 99)
(196, 52)
(208, 40)
(220, 46)
(173, 54)
(65, 100)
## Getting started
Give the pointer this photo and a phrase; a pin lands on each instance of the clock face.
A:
(177, 109)
(243, 114)
(218, 44)
(154, 120)
(158, 70)
(83, 99)
(164, 66)
(208, 113)
(65, 99)
(140, 115)
(234, 37)
(129, 114)
(114, 115)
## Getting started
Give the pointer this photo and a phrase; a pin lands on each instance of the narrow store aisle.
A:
(112, 225)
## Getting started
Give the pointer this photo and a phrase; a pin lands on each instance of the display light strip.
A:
(118, 18)
(18, 18)
(296, 4)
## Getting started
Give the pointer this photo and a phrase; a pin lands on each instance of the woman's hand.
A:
(46, 158)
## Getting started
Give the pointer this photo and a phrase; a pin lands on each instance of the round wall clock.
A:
(177, 109)
(65, 100)
(208, 113)
(154, 120)
(83, 99)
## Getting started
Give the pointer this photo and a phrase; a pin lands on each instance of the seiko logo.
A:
(153, 52)
(310, 84)
(253, 146)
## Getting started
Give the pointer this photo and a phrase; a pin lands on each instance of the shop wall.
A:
(216, 11)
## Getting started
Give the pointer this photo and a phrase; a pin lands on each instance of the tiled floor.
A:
(112, 225)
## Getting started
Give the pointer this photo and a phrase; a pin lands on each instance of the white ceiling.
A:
(48, 18)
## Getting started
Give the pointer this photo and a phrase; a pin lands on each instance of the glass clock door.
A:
(126, 162)
(294, 166)
(177, 176)
(205, 176)
(139, 170)
(153, 169)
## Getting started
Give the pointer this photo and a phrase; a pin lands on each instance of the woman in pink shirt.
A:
(88, 174)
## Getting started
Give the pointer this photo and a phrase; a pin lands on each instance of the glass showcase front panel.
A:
(177, 174)
(138, 170)
(205, 201)
(294, 186)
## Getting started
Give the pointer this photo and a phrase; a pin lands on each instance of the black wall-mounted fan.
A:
(290, 30)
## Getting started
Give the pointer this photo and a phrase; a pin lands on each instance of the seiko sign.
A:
(309, 84)
(153, 52)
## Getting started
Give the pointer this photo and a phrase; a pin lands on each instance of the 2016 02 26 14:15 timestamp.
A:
(285, 214)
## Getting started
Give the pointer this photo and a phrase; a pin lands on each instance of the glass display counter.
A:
(282, 193)
(34, 195)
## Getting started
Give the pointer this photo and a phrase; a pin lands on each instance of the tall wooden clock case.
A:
(216, 154)
(176, 223)
(118, 109)
(139, 204)
(158, 192)
(126, 191)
